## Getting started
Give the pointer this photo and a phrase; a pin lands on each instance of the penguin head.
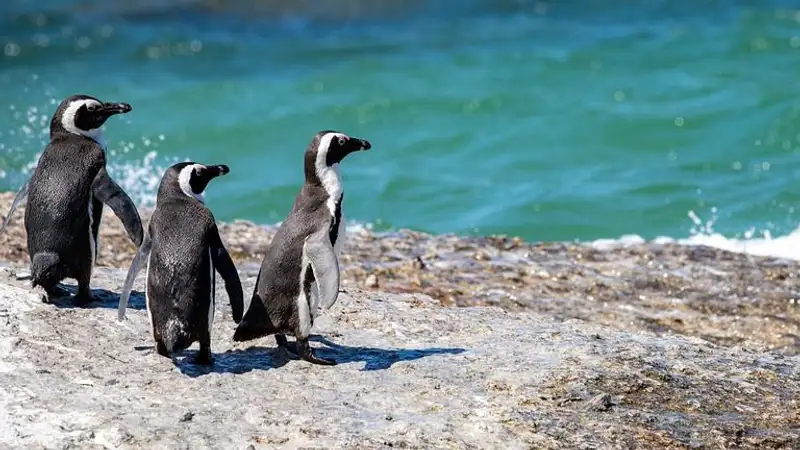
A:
(190, 178)
(329, 147)
(84, 115)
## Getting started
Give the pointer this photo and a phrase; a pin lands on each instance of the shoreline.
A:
(726, 298)
(674, 347)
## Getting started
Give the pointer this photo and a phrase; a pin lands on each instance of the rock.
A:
(22, 276)
(600, 402)
(727, 298)
(411, 374)
(371, 282)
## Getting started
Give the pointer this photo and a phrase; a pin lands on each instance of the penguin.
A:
(66, 195)
(299, 274)
(183, 249)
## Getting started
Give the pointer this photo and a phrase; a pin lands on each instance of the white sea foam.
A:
(139, 178)
(752, 242)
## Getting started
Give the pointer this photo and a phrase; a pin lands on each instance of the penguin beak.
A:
(360, 144)
(116, 108)
(220, 170)
(204, 174)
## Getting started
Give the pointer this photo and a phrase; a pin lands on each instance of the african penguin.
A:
(182, 248)
(300, 270)
(65, 198)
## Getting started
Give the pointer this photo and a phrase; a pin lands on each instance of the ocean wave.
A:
(751, 241)
(139, 178)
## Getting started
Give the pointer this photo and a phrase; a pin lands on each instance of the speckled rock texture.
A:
(726, 298)
(411, 374)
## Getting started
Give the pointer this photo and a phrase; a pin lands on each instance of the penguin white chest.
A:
(147, 296)
(93, 240)
(332, 183)
(341, 229)
(92, 245)
(211, 299)
(306, 307)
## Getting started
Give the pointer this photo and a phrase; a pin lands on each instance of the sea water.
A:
(571, 120)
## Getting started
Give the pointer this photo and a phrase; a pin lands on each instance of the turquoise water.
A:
(552, 121)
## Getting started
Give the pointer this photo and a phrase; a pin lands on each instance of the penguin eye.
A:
(342, 140)
(91, 107)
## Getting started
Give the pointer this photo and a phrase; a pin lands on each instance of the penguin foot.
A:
(161, 349)
(204, 357)
(54, 293)
(283, 343)
(82, 299)
(307, 354)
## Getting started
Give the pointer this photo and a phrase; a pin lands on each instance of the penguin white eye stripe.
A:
(325, 145)
(326, 140)
(185, 178)
(68, 120)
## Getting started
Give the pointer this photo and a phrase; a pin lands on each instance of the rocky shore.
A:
(552, 346)
(411, 374)
(723, 297)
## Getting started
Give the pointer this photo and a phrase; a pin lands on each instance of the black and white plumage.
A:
(183, 249)
(300, 272)
(65, 198)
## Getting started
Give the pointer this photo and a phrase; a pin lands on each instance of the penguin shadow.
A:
(238, 361)
(102, 299)
(377, 358)
(241, 361)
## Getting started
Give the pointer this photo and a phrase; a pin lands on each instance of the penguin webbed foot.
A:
(162, 350)
(306, 353)
(283, 343)
(82, 298)
(54, 293)
(203, 357)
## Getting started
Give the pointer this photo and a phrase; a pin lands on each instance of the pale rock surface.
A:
(412, 374)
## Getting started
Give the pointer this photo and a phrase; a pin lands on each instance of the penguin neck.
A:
(174, 191)
(328, 177)
(60, 128)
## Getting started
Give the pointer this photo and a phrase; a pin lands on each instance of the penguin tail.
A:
(244, 332)
(46, 270)
(252, 326)
(176, 336)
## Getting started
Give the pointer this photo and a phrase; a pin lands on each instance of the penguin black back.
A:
(183, 250)
(65, 197)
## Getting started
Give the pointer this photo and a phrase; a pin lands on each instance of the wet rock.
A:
(411, 374)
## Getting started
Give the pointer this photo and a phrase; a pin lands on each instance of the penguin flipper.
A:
(136, 265)
(21, 195)
(109, 192)
(319, 251)
(224, 265)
